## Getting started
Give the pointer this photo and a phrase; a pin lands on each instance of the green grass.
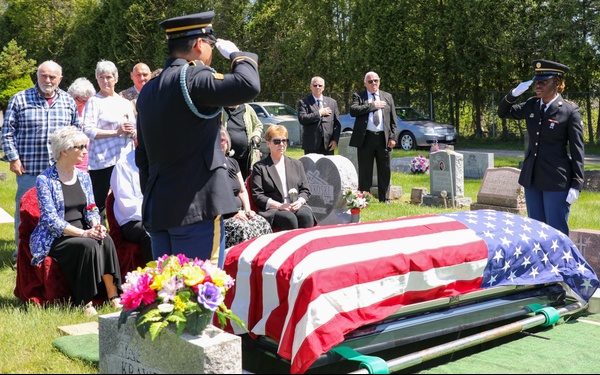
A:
(27, 331)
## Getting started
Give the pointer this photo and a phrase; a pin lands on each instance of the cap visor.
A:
(542, 78)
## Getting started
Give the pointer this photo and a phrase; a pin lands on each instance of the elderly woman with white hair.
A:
(69, 229)
(82, 90)
(109, 122)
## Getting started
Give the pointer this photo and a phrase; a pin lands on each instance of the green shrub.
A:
(13, 87)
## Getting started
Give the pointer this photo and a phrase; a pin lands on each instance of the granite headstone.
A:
(476, 163)
(328, 177)
(500, 190)
(446, 181)
(124, 351)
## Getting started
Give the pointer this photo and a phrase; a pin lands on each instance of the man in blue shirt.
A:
(31, 117)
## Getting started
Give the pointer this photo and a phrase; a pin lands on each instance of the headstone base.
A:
(395, 192)
(417, 194)
(438, 201)
(124, 351)
(512, 210)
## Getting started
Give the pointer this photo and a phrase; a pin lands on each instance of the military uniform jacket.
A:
(182, 167)
(360, 109)
(547, 165)
(317, 128)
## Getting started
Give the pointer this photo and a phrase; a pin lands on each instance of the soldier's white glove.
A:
(226, 47)
(523, 86)
(572, 196)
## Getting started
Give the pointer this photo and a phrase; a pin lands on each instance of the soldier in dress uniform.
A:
(552, 172)
(182, 168)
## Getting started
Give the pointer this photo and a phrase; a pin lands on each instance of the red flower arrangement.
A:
(91, 206)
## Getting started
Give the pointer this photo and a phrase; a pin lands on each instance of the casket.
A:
(370, 286)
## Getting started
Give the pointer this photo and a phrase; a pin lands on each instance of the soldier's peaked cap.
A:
(545, 69)
(193, 24)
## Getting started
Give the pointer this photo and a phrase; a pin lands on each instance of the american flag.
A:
(523, 251)
(307, 288)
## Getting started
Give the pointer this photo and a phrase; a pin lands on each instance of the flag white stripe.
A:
(328, 306)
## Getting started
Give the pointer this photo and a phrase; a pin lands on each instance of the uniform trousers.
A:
(203, 240)
(549, 207)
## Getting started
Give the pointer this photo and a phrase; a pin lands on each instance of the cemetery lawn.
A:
(27, 331)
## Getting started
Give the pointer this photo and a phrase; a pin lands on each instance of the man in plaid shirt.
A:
(31, 117)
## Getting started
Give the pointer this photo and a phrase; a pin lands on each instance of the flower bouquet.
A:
(175, 289)
(356, 199)
(419, 164)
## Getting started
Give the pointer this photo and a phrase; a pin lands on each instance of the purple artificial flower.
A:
(210, 296)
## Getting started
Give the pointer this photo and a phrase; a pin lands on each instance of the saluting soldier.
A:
(182, 168)
(552, 172)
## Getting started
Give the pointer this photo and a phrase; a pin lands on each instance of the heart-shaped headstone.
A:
(327, 177)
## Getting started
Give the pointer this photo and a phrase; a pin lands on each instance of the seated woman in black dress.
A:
(279, 185)
(69, 228)
(244, 224)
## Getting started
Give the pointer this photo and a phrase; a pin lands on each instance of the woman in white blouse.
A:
(109, 122)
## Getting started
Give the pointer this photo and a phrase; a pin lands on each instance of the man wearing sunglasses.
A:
(182, 167)
(320, 118)
(374, 135)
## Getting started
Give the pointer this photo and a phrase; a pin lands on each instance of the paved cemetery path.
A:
(595, 159)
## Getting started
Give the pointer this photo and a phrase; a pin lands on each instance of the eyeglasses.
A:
(81, 100)
(277, 142)
(315, 85)
(371, 81)
(210, 42)
(80, 147)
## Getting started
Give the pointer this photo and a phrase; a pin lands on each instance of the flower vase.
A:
(355, 215)
(197, 322)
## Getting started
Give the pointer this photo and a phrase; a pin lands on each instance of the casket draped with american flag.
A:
(307, 288)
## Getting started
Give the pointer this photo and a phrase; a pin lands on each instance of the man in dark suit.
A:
(552, 172)
(320, 117)
(182, 167)
(374, 135)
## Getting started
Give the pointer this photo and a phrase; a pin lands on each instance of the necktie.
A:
(375, 114)
(320, 102)
(543, 110)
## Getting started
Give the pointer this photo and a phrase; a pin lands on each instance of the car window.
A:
(259, 111)
(281, 110)
(410, 114)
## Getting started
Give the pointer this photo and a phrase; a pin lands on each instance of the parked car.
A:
(414, 129)
(270, 113)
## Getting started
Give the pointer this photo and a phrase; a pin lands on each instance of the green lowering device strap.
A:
(374, 365)
(551, 314)
(533, 307)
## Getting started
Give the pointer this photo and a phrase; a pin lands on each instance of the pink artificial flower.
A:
(138, 291)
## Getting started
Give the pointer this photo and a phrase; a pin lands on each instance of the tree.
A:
(15, 72)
